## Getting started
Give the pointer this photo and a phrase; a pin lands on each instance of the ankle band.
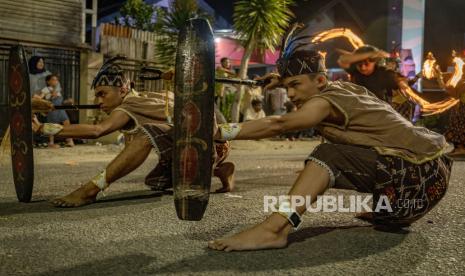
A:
(100, 180)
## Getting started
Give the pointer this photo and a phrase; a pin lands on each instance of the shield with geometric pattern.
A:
(20, 124)
(193, 119)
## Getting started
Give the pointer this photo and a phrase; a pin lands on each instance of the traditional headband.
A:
(301, 62)
(294, 59)
(111, 74)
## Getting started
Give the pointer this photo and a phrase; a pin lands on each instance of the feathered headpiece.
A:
(295, 59)
(111, 74)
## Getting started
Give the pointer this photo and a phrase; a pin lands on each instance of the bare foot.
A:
(261, 236)
(69, 143)
(84, 195)
(225, 172)
(53, 146)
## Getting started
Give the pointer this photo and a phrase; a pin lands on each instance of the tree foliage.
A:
(138, 14)
(168, 24)
(259, 24)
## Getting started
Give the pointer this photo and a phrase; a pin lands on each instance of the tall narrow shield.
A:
(20, 124)
(193, 117)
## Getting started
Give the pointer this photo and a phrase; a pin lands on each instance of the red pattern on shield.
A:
(198, 69)
(191, 118)
(16, 81)
(19, 162)
(189, 164)
(17, 124)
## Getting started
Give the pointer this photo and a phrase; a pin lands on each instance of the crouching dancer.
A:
(143, 122)
(373, 149)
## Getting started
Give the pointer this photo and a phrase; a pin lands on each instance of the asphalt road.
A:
(132, 231)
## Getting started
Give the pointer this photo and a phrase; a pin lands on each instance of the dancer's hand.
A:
(36, 125)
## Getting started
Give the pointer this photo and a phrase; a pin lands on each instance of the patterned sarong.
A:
(412, 190)
(456, 129)
(160, 178)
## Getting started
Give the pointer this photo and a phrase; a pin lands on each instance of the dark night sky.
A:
(444, 21)
(444, 28)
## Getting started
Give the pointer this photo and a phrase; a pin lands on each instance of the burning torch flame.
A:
(428, 67)
(429, 71)
(439, 107)
(339, 32)
(458, 72)
(427, 108)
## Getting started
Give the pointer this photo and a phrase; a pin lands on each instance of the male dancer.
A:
(373, 149)
(143, 122)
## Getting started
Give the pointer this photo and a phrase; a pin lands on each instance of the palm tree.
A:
(169, 23)
(260, 24)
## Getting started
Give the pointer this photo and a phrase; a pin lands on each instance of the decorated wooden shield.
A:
(193, 117)
(20, 124)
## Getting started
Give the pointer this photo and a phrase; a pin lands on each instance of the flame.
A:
(439, 107)
(429, 71)
(458, 72)
(427, 108)
(428, 67)
(356, 41)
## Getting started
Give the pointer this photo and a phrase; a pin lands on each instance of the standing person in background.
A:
(455, 132)
(222, 91)
(456, 128)
(276, 98)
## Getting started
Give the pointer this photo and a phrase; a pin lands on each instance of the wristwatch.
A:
(290, 214)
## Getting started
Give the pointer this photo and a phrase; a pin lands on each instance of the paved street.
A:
(132, 231)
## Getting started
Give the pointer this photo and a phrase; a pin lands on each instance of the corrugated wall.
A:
(133, 43)
(138, 46)
(54, 22)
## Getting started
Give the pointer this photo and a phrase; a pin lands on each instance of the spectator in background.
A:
(275, 99)
(292, 135)
(221, 90)
(250, 93)
(255, 112)
(53, 94)
(37, 75)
